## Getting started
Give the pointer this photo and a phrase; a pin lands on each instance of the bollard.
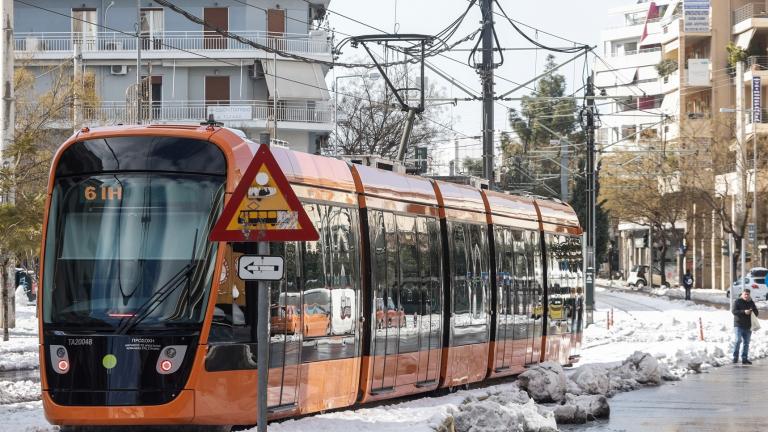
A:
(701, 330)
(608, 319)
(612, 322)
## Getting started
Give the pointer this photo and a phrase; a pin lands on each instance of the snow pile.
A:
(581, 409)
(19, 391)
(503, 411)
(544, 383)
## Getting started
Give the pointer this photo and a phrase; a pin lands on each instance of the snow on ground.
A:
(20, 352)
(652, 339)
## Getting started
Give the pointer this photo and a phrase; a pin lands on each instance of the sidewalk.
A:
(698, 295)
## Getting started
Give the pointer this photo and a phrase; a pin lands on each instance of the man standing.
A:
(688, 283)
(743, 308)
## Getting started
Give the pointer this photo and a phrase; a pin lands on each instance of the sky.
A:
(579, 21)
(666, 329)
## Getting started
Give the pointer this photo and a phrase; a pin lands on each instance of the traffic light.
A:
(725, 249)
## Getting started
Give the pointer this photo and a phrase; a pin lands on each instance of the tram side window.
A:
(410, 295)
(330, 273)
(285, 295)
(480, 272)
(459, 273)
(342, 265)
(436, 275)
(230, 323)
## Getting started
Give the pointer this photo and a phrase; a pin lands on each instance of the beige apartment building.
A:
(667, 66)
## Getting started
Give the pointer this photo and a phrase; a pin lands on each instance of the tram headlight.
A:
(59, 359)
(170, 359)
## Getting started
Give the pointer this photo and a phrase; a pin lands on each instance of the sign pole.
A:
(262, 344)
(263, 208)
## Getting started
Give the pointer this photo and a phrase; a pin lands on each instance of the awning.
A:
(670, 10)
(295, 80)
(742, 40)
(651, 39)
(647, 73)
(671, 104)
(675, 44)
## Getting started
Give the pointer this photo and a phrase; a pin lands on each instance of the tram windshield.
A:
(127, 251)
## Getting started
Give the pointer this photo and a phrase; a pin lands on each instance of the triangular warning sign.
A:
(263, 207)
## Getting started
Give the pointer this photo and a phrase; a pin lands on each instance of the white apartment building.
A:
(189, 71)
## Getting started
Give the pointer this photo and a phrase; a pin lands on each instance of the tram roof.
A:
(558, 213)
(314, 170)
(395, 186)
(514, 206)
(461, 197)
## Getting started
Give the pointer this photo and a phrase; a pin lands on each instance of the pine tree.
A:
(579, 204)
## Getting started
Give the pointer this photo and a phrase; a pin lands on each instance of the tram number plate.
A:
(260, 267)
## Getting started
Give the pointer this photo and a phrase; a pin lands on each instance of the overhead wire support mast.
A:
(485, 69)
(420, 42)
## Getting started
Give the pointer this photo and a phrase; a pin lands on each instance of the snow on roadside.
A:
(644, 347)
(21, 351)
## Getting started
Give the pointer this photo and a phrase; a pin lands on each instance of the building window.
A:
(84, 27)
(152, 28)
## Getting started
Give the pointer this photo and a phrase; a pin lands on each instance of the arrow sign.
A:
(260, 267)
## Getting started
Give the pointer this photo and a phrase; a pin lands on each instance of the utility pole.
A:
(8, 110)
(7, 130)
(486, 76)
(138, 62)
(590, 257)
(741, 161)
(564, 192)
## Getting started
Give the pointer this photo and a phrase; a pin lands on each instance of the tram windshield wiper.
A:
(182, 277)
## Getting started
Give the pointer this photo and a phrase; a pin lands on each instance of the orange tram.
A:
(414, 284)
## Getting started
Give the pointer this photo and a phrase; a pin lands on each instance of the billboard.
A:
(696, 16)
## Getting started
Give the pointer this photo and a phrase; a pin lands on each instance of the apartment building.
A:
(189, 71)
(666, 64)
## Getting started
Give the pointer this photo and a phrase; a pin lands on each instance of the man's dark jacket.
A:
(740, 319)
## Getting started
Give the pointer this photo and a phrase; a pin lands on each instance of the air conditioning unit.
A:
(118, 69)
(256, 71)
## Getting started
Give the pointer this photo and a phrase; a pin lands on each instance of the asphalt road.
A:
(727, 399)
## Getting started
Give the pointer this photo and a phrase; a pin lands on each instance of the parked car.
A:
(755, 281)
(638, 276)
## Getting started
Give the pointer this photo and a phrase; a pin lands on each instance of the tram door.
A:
(425, 304)
(285, 331)
(536, 278)
(387, 310)
(505, 323)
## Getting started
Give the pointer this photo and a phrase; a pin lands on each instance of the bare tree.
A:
(371, 120)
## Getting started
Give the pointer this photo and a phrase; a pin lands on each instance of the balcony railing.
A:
(759, 63)
(169, 41)
(638, 51)
(108, 113)
(750, 10)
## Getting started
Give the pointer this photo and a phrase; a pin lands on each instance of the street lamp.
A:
(372, 76)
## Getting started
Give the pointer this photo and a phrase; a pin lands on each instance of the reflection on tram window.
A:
(229, 314)
(330, 267)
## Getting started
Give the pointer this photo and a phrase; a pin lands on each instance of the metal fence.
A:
(169, 41)
(293, 111)
(750, 10)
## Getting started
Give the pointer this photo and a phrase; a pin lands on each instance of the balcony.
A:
(751, 15)
(760, 127)
(670, 82)
(757, 66)
(170, 44)
(295, 115)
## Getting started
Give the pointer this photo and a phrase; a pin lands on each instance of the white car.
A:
(755, 281)
(638, 277)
